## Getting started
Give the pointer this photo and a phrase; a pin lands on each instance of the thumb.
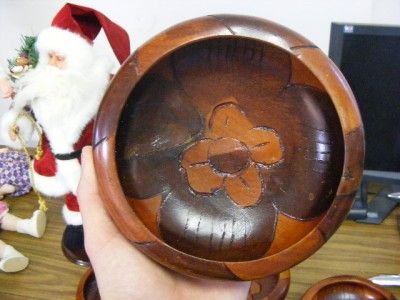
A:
(88, 181)
(97, 224)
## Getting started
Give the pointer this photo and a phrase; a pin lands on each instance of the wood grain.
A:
(49, 274)
(355, 249)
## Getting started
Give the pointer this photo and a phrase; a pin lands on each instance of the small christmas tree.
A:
(27, 58)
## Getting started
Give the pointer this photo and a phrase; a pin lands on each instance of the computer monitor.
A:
(369, 58)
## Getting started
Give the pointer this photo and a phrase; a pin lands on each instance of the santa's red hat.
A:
(73, 30)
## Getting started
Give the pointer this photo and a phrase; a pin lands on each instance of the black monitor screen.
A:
(369, 58)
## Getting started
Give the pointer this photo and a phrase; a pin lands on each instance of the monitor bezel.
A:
(389, 178)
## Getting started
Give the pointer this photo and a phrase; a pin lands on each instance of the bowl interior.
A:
(347, 287)
(348, 290)
(229, 149)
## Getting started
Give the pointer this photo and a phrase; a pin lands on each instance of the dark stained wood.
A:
(359, 249)
(228, 146)
(87, 287)
(49, 274)
(216, 237)
(347, 287)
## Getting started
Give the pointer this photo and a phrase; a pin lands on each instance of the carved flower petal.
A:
(245, 189)
(264, 146)
(196, 154)
(203, 179)
(228, 121)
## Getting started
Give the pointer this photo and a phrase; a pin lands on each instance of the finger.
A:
(98, 226)
(88, 180)
(8, 93)
(12, 134)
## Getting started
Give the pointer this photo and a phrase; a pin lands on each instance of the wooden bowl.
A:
(228, 146)
(347, 287)
(87, 287)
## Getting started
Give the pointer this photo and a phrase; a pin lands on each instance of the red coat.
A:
(46, 165)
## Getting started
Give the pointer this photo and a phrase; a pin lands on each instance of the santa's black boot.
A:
(73, 245)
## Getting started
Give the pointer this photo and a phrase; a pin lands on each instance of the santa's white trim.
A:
(77, 50)
(70, 171)
(71, 217)
(25, 128)
(52, 186)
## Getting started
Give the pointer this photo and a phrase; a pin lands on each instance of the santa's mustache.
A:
(47, 82)
(51, 76)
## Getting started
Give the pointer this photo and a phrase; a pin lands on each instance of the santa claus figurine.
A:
(64, 92)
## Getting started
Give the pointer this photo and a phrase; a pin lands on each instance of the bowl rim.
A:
(358, 280)
(183, 34)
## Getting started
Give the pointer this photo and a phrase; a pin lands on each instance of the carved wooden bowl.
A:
(228, 146)
(347, 287)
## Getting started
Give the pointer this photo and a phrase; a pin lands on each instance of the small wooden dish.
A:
(347, 287)
(87, 287)
(228, 146)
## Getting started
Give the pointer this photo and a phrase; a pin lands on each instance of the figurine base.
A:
(73, 245)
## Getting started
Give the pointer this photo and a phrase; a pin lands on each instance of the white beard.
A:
(64, 101)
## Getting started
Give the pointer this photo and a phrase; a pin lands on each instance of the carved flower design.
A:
(230, 156)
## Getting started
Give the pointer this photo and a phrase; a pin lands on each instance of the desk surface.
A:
(357, 249)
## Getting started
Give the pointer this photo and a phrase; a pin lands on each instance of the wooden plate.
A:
(347, 287)
(228, 146)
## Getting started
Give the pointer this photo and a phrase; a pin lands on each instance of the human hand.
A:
(6, 88)
(123, 272)
(12, 132)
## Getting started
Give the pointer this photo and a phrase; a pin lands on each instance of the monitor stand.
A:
(375, 211)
